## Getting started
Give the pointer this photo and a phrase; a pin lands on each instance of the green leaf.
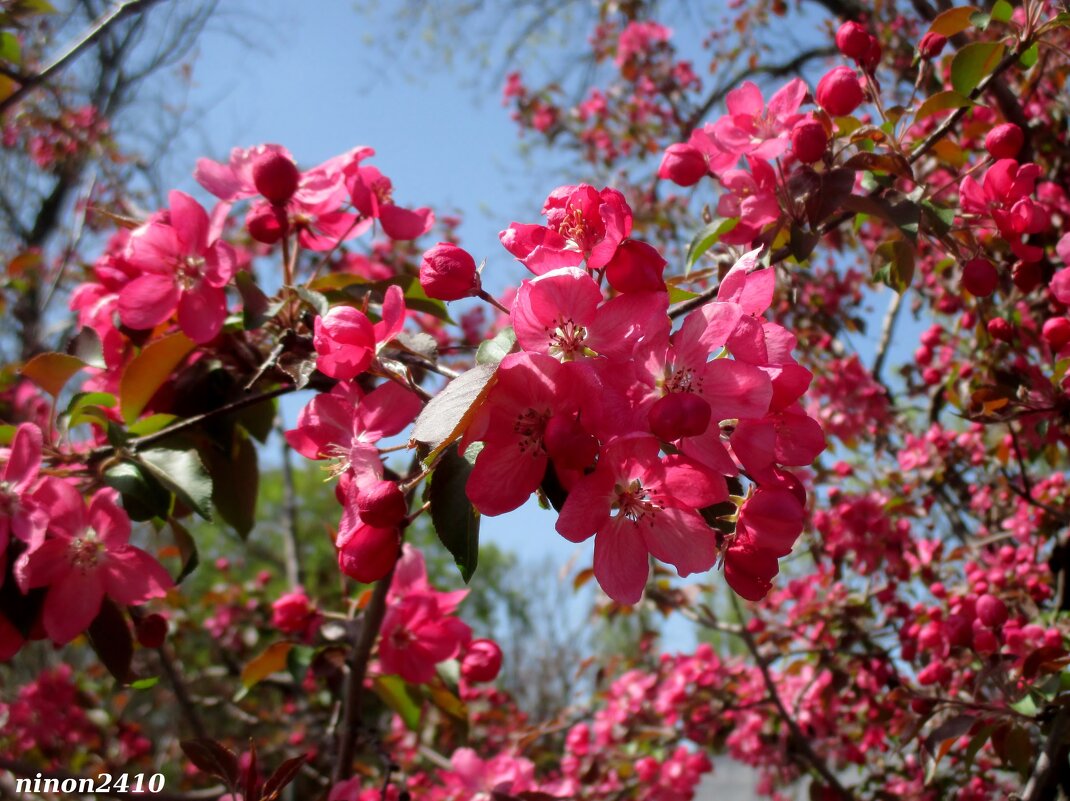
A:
(393, 692)
(298, 662)
(1030, 56)
(151, 424)
(89, 407)
(145, 684)
(148, 371)
(236, 482)
(183, 473)
(494, 350)
(456, 520)
(706, 239)
(187, 549)
(271, 660)
(143, 497)
(894, 264)
(448, 414)
(314, 299)
(257, 309)
(1002, 11)
(973, 63)
(940, 217)
(942, 101)
(9, 48)
(678, 295)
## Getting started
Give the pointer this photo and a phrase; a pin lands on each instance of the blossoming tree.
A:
(677, 384)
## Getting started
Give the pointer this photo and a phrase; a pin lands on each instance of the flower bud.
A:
(679, 414)
(839, 92)
(683, 164)
(636, 267)
(1004, 141)
(482, 662)
(872, 57)
(1056, 332)
(852, 39)
(292, 612)
(931, 45)
(151, 631)
(991, 611)
(369, 552)
(275, 177)
(448, 272)
(1026, 276)
(344, 340)
(267, 223)
(382, 504)
(979, 277)
(809, 141)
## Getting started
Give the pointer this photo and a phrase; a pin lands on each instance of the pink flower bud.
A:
(568, 444)
(991, 611)
(931, 45)
(679, 414)
(852, 39)
(809, 141)
(979, 277)
(1026, 276)
(873, 54)
(482, 662)
(839, 92)
(275, 177)
(292, 612)
(683, 164)
(1004, 141)
(448, 272)
(344, 339)
(636, 267)
(382, 504)
(266, 222)
(368, 553)
(1056, 332)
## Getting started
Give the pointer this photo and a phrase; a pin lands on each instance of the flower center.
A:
(682, 380)
(383, 190)
(567, 340)
(635, 502)
(86, 551)
(530, 426)
(189, 272)
(338, 459)
(575, 229)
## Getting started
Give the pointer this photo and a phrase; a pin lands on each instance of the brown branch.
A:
(887, 329)
(95, 32)
(1051, 761)
(190, 422)
(798, 738)
(178, 684)
(363, 643)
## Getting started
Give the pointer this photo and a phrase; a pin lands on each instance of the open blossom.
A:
(750, 196)
(21, 513)
(373, 195)
(185, 266)
(769, 523)
(638, 505)
(86, 557)
(752, 128)
(1004, 196)
(582, 224)
(346, 340)
(483, 780)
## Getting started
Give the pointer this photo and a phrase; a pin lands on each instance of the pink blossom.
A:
(85, 558)
(185, 265)
(1005, 198)
(417, 634)
(752, 128)
(750, 196)
(483, 780)
(582, 224)
(21, 513)
(638, 505)
(346, 341)
(373, 195)
(769, 523)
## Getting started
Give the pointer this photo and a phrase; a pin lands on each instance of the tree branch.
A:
(96, 30)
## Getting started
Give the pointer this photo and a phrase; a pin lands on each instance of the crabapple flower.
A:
(482, 661)
(484, 780)
(366, 552)
(1004, 197)
(839, 92)
(21, 514)
(344, 424)
(87, 557)
(751, 127)
(185, 266)
(751, 197)
(582, 224)
(561, 314)
(346, 341)
(638, 505)
(373, 195)
(294, 613)
(769, 523)
(417, 634)
(531, 389)
(448, 272)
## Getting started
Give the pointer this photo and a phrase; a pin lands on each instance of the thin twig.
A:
(178, 684)
(96, 30)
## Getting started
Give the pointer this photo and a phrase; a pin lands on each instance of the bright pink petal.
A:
(681, 538)
(201, 313)
(71, 604)
(43, 566)
(621, 561)
(24, 459)
(132, 576)
(147, 301)
(393, 315)
(109, 521)
(745, 100)
(736, 390)
(587, 508)
(405, 224)
(190, 222)
(504, 477)
(539, 248)
(386, 411)
(219, 179)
